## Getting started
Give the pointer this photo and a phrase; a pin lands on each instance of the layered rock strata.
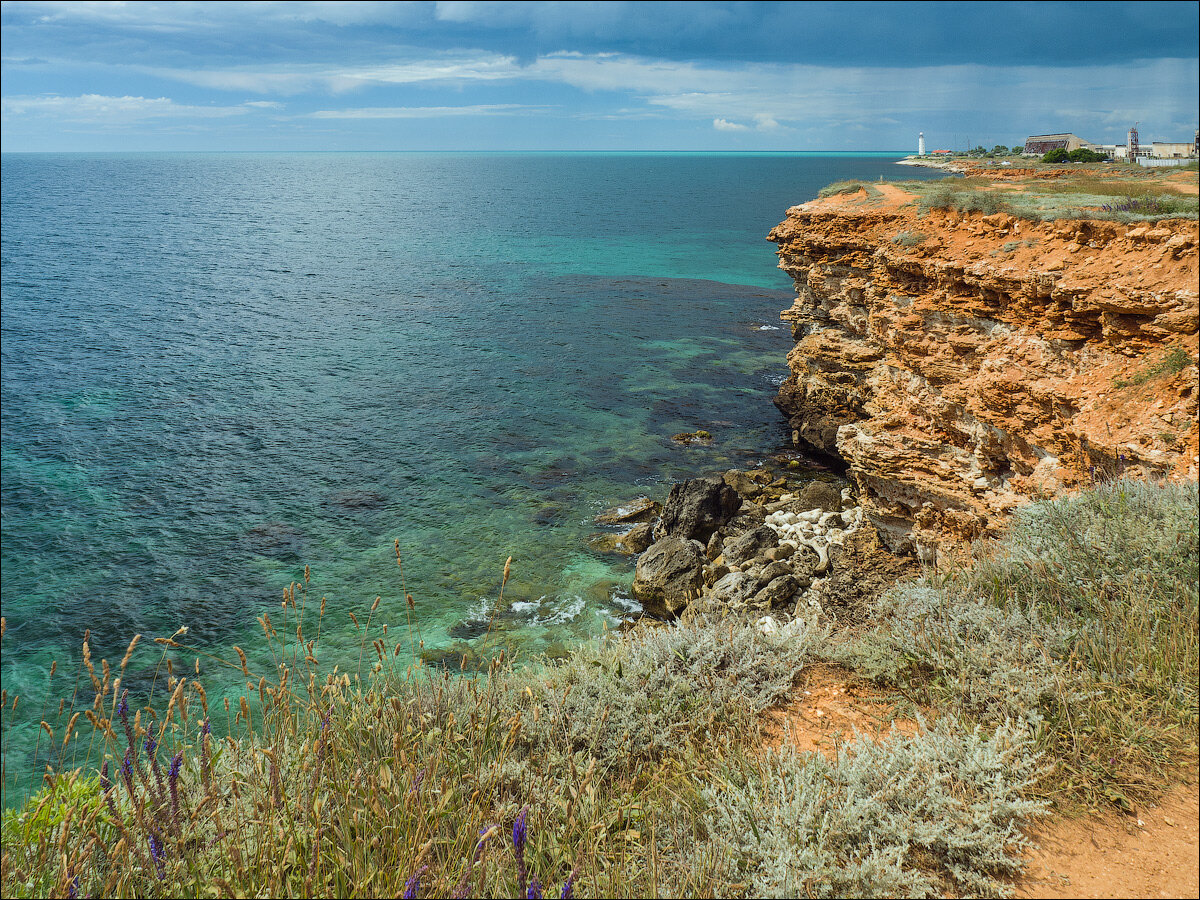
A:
(962, 364)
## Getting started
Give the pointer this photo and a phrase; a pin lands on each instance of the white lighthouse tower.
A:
(921, 144)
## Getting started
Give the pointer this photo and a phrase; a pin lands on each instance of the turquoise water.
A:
(220, 367)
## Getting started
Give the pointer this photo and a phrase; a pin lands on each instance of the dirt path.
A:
(1155, 854)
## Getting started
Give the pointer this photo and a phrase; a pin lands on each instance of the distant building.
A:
(1172, 150)
(921, 144)
(1041, 144)
(1132, 148)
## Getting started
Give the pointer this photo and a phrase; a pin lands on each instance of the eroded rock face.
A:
(669, 574)
(994, 362)
(696, 508)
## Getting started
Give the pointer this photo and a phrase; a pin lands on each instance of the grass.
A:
(1131, 198)
(910, 238)
(849, 187)
(1175, 361)
(1082, 623)
(1062, 664)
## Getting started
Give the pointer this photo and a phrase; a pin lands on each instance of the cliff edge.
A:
(963, 363)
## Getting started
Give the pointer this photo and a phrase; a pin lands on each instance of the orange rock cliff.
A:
(962, 364)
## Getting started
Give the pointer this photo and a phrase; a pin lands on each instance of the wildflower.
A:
(413, 885)
(206, 729)
(123, 706)
(150, 744)
(519, 835)
(173, 784)
(159, 854)
(127, 771)
(73, 888)
(535, 890)
(568, 888)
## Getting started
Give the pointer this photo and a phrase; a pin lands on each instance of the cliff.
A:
(961, 364)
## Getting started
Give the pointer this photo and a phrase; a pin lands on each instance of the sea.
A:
(221, 371)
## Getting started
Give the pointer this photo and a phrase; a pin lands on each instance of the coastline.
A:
(669, 718)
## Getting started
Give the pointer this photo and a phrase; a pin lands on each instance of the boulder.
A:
(819, 495)
(643, 509)
(743, 483)
(777, 592)
(696, 508)
(783, 551)
(638, 538)
(746, 547)
(669, 574)
(735, 589)
(774, 570)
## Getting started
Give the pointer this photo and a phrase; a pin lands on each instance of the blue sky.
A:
(590, 75)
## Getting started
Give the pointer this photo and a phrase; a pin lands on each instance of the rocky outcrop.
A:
(669, 574)
(697, 507)
(962, 364)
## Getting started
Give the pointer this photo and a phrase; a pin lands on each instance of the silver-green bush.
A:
(906, 817)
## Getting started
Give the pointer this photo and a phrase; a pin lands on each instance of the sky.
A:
(98, 76)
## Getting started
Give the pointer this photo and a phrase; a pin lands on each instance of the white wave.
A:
(769, 328)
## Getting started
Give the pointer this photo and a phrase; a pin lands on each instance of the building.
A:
(921, 144)
(1172, 149)
(1132, 148)
(1041, 144)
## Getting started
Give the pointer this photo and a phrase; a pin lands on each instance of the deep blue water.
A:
(217, 368)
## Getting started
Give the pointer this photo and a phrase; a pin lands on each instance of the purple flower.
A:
(519, 833)
(73, 888)
(413, 885)
(123, 706)
(535, 890)
(205, 729)
(150, 744)
(127, 770)
(176, 764)
(568, 888)
(159, 854)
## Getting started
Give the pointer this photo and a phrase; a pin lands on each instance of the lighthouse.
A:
(921, 144)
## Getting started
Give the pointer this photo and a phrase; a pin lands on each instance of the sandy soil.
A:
(1155, 853)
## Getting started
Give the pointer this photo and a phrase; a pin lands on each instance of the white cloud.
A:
(111, 110)
(423, 112)
(764, 122)
(726, 125)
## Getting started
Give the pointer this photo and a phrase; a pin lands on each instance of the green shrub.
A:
(910, 238)
(912, 816)
(1081, 622)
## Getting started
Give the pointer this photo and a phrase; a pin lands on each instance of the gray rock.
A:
(735, 589)
(669, 574)
(805, 563)
(715, 543)
(743, 483)
(819, 495)
(643, 509)
(783, 551)
(777, 592)
(696, 508)
(714, 573)
(745, 547)
(639, 537)
(775, 570)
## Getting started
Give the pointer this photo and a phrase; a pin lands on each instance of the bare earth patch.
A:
(1154, 854)
(828, 707)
